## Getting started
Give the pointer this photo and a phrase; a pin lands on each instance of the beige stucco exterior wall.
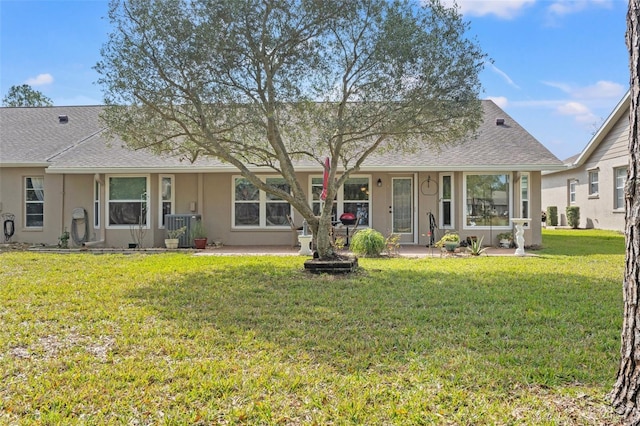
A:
(596, 211)
(211, 195)
(12, 187)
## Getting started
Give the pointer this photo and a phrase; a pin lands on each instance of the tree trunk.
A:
(324, 245)
(625, 394)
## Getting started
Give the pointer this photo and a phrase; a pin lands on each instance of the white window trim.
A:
(262, 200)
(528, 199)
(161, 200)
(573, 183)
(451, 200)
(464, 200)
(340, 197)
(96, 204)
(24, 187)
(615, 188)
(589, 174)
(107, 201)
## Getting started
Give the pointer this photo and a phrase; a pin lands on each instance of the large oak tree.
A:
(627, 387)
(272, 84)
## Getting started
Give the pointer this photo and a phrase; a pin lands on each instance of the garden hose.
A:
(9, 226)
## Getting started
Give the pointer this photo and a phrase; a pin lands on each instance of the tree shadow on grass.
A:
(536, 328)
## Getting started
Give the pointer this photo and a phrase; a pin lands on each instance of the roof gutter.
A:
(308, 169)
(39, 164)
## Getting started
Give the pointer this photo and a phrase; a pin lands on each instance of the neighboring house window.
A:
(621, 179)
(593, 182)
(255, 208)
(127, 200)
(487, 200)
(524, 195)
(446, 201)
(167, 197)
(96, 204)
(353, 197)
(34, 202)
(572, 191)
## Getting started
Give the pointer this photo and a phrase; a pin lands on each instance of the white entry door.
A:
(402, 208)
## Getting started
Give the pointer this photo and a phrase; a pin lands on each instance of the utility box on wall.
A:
(177, 221)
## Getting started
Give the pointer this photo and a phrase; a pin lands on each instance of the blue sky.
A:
(559, 66)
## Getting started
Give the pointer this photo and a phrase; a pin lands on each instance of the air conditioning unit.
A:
(177, 221)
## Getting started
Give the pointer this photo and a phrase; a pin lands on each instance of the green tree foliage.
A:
(25, 96)
(273, 83)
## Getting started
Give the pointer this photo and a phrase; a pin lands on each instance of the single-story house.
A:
(594, 179)
(59, 172)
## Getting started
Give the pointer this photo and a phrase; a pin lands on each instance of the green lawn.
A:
(179, 339)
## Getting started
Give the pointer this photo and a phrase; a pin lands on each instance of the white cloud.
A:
(582, 100)
(600, 90)
(580, 112)
(565, 7)
(501, 101)
(40, 80)
(505, 9)
(566, 88)
(503, 75)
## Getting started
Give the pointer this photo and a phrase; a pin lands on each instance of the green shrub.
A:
(573, 216)
(367, 242)
(552, 215)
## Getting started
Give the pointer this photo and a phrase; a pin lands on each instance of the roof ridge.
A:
(75, 144)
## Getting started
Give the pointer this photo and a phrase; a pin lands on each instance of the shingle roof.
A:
(29, 135)
(33, 135)
(507, 145)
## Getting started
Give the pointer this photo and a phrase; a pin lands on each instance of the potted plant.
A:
(173, 237)
(199, 234)
(505, 239)
(449, 241)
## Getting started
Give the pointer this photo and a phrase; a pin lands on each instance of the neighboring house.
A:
(55, 160)
(594, 179)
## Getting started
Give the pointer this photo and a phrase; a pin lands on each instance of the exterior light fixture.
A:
(379, 183)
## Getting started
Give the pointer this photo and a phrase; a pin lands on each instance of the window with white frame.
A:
(487, 200)
(96, 204)
(353, 197)
(593, 182)
(34, 202)
(572, 191)
(127, 200)
(166, 196)
(524, 195)
(621, 179)
(446, 201)
(253, 208)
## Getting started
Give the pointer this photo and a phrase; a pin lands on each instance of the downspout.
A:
(62, 227)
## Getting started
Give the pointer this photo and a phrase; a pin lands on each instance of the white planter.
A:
(171, 243)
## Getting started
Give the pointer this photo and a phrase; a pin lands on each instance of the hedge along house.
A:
(594, 179)
(57, 169)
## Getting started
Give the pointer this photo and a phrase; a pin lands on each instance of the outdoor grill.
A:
(348, 219)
